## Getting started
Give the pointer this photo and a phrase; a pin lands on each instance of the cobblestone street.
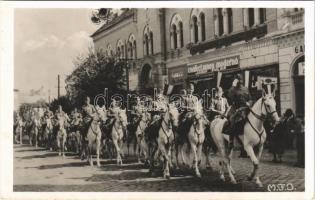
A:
(41, 170)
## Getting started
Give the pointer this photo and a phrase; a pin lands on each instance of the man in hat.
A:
(219, 104)
(241, 100)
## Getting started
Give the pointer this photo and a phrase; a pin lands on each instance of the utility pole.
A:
(49, 96)
(58, 86)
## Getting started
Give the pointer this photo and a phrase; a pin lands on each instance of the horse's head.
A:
(269, 107)
(199, 116)
(122, 117)
(173, 113)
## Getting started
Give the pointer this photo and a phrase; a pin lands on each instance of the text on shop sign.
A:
(212, 66)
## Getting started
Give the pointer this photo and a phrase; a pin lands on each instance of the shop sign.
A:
(301, 69)
(177, 74)
(213, 66)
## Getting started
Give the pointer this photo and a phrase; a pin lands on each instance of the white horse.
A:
(34, 131)
(48, 133)
(94, 136)
(61, 135)
(19, 130)
(165, 139)
(142, 145)
(254, 135)
(117, 133)
(196, 137)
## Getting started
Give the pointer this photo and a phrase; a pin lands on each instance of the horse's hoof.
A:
(198, 175)
(59, 154)
(98, 165)
(233, 181)
(222, 178)
(167, 176)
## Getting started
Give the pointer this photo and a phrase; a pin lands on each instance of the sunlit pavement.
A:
(42, 170)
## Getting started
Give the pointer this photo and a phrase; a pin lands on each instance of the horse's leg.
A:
(36, 135)
(98, 147)
(195, 161)
(59, 145)
(166, 173)
(138, 149)
(63, 144)
(260, 150)
(21, 136)
(249, 149)
(221, 149)
(121, 152)
(229, 166)
(182, 154)
(90, 148)
(117, 151)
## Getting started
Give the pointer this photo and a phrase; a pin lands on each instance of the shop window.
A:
(195, 28)
(181, 34)
(251, 17)
(174, 35)
(203, 26)
(220, 19)
(262, 15)
(299, 86)
(230, 20)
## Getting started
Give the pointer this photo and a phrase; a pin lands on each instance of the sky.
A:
(46, 41)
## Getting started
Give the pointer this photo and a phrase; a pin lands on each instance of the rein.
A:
(261, 118)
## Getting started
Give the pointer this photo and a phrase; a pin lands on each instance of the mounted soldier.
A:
(188, 105)
(241, 100)
(87, 114)
(219, 104)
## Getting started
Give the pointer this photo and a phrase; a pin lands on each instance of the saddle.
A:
(236, 122)
(151, 133)
(183, 129)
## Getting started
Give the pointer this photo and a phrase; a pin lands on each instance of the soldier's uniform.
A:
(219, 105)
(238, 96)
(87, 114)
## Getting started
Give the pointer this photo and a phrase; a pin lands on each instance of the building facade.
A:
(174, 46)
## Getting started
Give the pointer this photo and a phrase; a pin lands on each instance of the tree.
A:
(64, 101)
(92, 75)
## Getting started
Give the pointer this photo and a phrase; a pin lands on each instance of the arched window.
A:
(131, 46)
(181, 34)
(220, 21)
(195, 28)
(148, 40)
(146, 44)
(262, 15)
(230, 20)
(135, 49)
(203, 26)
(151, 40)
(251, 17)
(118, 52)
(174, 33)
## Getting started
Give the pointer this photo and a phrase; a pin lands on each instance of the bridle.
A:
(261, 117)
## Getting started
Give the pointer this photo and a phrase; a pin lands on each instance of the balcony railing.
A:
(297, 18)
